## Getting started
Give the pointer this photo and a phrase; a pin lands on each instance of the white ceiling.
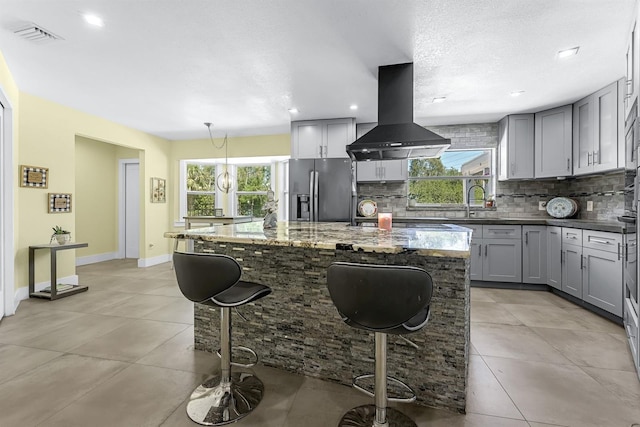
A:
(167, 66)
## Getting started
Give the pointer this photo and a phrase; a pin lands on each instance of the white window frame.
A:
(235, 193)
(221, 199)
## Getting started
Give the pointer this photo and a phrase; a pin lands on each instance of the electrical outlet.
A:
(590, 206)
(542, 206)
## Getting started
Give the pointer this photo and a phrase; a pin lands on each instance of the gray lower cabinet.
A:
(534, 254)
(572, 270)
(496, 253)
(602, 279)
(502, 260)
(554, 257)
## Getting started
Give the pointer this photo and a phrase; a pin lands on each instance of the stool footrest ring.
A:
(401, 384)
(251, 364)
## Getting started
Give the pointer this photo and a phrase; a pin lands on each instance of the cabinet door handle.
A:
(604, 242)
(526, 238)
(596, 157)
(583, 265)
(479, 250)
(561, 257)
(588, 159)
(485, 250)
(618, 251)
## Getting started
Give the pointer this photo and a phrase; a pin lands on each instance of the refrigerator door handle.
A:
(316, 179)
(311, 195)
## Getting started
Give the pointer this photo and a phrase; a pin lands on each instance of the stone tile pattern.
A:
(298, 329)
(514, 199)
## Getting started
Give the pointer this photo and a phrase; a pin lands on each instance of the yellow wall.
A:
(96, 196)
(48, 138)
(249, 146)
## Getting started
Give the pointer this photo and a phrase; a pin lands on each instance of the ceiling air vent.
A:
(35, 33)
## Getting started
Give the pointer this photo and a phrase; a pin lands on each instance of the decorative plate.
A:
(367, 208)
(561, 207)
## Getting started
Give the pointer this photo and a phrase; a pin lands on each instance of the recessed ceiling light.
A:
(517, 93)
(293, 110)
(440, 99)
(568, 52)
(353, 107)
(93, 19)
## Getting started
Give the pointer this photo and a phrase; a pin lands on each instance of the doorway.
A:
(7, 306)
(129, 215)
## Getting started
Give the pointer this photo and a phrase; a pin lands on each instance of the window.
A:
(201, 189)
(253, 182)
(446, 181)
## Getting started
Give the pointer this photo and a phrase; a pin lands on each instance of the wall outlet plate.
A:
(590, 206)
(542, 205)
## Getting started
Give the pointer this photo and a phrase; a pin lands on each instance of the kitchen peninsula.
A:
(297, 328)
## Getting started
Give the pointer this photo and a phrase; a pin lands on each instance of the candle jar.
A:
(384, 221)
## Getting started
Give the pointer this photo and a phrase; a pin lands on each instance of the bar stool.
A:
(384, 299)
(214, 280)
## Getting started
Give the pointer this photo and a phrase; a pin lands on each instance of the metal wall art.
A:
(59, 202)
(158, 190)
(34, 176)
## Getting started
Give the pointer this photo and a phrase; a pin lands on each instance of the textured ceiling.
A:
(167, 66)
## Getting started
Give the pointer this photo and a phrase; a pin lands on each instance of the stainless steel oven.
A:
(631, 248)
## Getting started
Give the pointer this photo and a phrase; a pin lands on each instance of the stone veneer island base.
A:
(298, 329)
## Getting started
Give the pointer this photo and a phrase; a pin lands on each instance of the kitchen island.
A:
(298, 329)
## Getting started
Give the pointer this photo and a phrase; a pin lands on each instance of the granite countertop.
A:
(440, 240)
(586, 224)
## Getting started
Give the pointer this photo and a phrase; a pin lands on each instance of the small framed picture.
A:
(158, 190)
(217, 212)
(59, 202)
(34, 176)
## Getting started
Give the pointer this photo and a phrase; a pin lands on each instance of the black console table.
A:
(54, 293)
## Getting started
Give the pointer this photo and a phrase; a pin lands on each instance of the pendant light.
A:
(224, 181)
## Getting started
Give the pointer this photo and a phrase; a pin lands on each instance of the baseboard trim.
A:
(510, 285)
(148, 262)
(92, 259)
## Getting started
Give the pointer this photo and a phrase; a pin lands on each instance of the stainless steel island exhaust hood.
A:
(396, 136)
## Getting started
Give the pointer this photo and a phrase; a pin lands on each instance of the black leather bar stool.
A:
(214, 280)
(385, 299)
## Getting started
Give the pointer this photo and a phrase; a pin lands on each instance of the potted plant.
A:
(61, 235)
(413, 199)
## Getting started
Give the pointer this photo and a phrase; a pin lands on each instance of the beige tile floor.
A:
(122, 354)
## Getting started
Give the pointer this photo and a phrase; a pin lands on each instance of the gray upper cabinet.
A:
(554, 257)
(553, 144)
(515, 147)
(534, 254)
(595, 132)
(381, 171)
(632, 61)
(316, 139)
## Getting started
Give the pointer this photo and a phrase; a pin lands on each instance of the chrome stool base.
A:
(214, 403)
(364, 416)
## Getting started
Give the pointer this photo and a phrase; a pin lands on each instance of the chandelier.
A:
(224, 181)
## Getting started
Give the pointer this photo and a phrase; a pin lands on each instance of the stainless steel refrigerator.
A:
(320, 190)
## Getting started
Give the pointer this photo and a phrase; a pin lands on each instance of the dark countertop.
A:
(585, 224)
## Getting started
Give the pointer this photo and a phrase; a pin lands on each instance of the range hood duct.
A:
(396, 136)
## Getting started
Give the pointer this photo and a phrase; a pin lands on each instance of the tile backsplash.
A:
(514, 199)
